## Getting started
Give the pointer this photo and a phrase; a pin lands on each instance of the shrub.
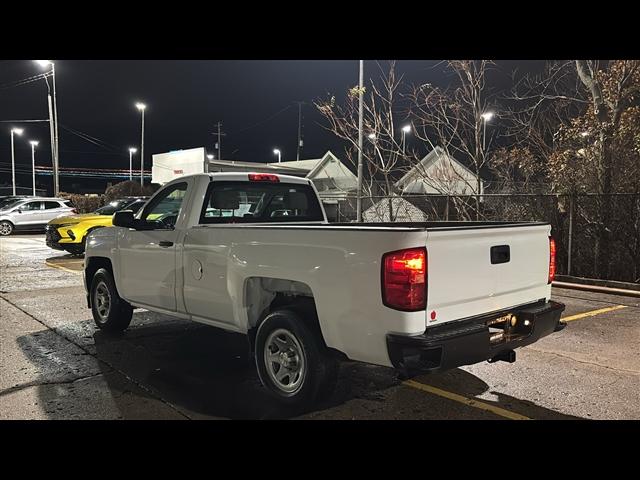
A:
(84, 203)
(127, 189)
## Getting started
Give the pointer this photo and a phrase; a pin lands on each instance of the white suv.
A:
(32, 213)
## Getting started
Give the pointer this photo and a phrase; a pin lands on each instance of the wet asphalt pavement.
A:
(54, 363)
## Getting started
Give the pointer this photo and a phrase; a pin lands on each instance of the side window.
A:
(31, 206)
(135, 206)
(165, 207)
(50, 205)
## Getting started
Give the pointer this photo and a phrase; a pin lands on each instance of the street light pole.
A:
(131, 152)
(485, 117)
(53, 124)
(17, 131)
(34, 144)
(56, 166)
(53, 145)
(360, 141)
(142, 107)
(406, 129)
(277, 152)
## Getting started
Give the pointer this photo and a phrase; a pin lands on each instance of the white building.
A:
(331, 177)
(438, 173)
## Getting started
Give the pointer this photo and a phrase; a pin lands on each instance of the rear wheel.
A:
(6, 228)
(292, 361)
(110, 312)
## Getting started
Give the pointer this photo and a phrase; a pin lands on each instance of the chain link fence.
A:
(574, 221)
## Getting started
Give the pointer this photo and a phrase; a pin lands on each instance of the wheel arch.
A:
(263, 295)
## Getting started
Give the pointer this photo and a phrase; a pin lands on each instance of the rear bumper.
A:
(467, 341)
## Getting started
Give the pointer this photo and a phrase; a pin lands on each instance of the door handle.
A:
(500, 254)
(165, 244)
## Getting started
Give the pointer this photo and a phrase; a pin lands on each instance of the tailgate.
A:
(465, 279)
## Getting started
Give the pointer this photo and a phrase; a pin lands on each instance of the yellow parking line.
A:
(466, 401)
(62, 268)
(492, 408)
(592, 313)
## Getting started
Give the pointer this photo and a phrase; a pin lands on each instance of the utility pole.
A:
(219, 141)
(299, 149)
(360, 115)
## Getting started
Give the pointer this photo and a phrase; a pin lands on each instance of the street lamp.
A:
(406, 129)
(131, 152)
(210, 156)
(53, 121)
(17, 131)
(34, 144)
(277, 152)
(486, 116)
(142, 107)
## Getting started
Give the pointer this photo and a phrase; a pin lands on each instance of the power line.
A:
(262, 121)
(91, 139)
(23, 121)
(25, 81)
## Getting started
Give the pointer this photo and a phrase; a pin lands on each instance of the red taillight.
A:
(552, 259)
(263, 177)
(404, 279)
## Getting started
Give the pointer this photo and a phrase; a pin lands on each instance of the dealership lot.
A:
(55, 364)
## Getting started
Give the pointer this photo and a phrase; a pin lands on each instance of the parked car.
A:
(8, 200)
(418, 297)
(32, 213)
(69, 233)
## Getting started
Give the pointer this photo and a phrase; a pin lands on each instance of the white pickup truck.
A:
(254, 254)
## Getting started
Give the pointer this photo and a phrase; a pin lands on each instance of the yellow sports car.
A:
(70, 232)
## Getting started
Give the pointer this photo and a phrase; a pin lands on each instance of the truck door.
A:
(148, 254)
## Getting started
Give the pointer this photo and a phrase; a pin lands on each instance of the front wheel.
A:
(110, 312)
(6, 228)
(292, 361)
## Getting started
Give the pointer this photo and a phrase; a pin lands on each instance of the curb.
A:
(597, 289)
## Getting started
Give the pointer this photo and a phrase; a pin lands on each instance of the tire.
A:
(297, 349)
(110, 312)
(6, 228)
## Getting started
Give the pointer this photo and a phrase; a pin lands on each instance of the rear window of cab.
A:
(260, 202)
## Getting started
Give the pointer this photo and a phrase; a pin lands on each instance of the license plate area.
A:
(509, 327)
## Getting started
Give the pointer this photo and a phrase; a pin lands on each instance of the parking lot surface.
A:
(54, 363)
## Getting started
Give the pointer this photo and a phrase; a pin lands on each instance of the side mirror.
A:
(19, 211)
(123, 218)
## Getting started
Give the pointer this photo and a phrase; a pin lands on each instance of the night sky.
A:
(185, 99)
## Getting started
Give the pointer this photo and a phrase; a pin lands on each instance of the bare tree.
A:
(383, 152)
(454, 119)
